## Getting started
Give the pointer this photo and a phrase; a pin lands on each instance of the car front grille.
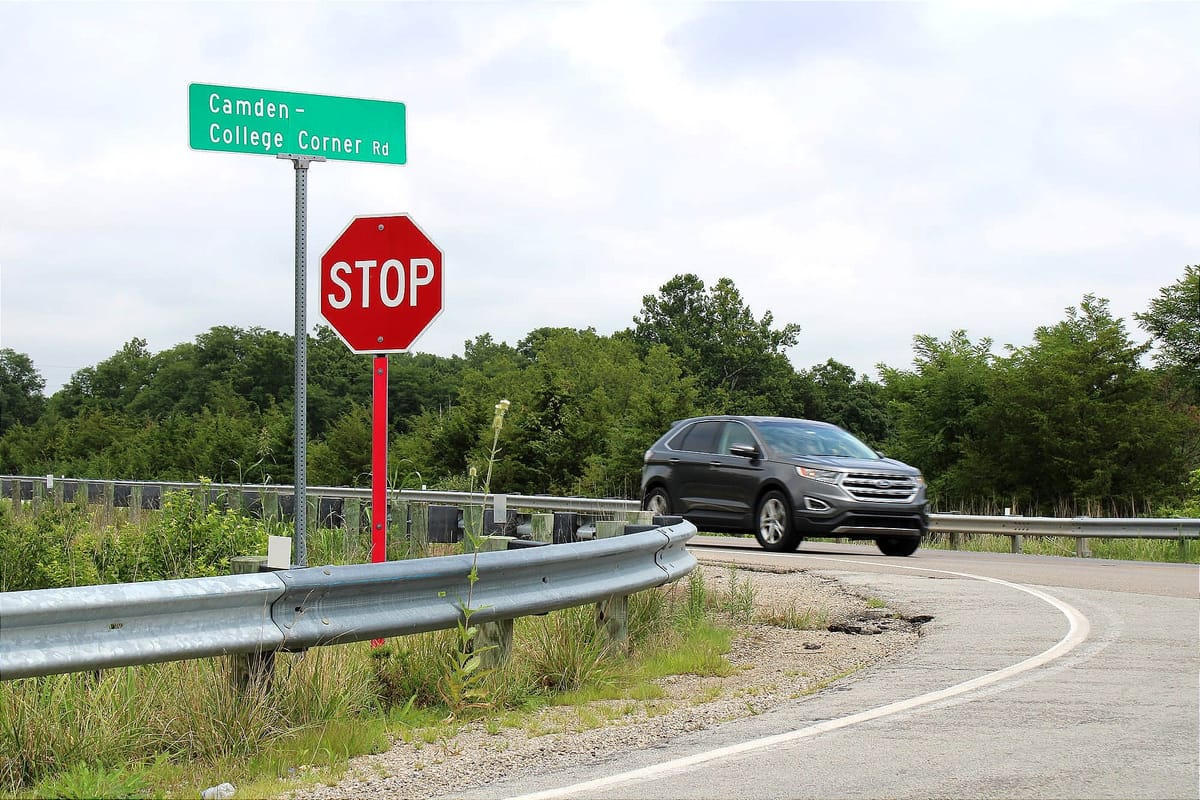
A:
(880, 487)
(880, 523)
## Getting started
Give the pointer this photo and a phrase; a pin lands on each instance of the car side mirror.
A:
(745, 451)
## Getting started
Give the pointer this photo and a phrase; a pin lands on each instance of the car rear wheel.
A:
(773, 527)
(657, 501)
(898, 545)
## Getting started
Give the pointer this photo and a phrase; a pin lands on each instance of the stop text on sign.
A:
(381, 283)
(391, 279)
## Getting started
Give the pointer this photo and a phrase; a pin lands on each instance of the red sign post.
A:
(381, 286)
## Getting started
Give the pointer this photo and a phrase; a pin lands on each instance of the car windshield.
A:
(807, 439)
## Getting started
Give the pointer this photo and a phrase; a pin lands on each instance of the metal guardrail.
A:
(1080, 528)
(1077, 527)
(50, 631)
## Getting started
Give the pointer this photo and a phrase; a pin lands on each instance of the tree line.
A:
(1085, 417)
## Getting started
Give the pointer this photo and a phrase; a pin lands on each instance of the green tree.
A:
(834, 393)
(937, 408)
(21, 398)
(1173, 319)
(343, 456)
(31, 449)
(444, 440)
(111, 385)
(583, 409)
(338, 381)
(589, 408)
(739, 362)
(1076, 417)
(658, 393)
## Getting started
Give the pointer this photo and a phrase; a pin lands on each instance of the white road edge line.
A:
(1077, 633)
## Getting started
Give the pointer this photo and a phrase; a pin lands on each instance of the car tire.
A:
(898, 545)
(773, 524)
(658, 501)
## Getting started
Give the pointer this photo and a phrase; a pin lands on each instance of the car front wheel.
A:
(898, 545)
(657, 501)
(773, 527)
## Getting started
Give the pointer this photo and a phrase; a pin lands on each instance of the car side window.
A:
(698, 438)
(736, 433)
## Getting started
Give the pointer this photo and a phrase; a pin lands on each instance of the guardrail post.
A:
(270, 507)
(642, 517)
(416, 522)
(135, 502)
(108, 499)
(233, 500)
(612, 613)
(566, 524)
(1017, 539)
(606, 529)
(408, 532)
(541, 527)
(472, 521)
(250, 671)
(494, 640)
(1081, 548)
(352, 517)
(312, 513)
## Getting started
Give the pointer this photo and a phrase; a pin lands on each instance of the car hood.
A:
(890, 465)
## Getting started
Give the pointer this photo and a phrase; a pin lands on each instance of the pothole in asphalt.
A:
(875, 623)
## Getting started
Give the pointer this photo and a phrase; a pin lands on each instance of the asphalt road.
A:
(1038, 677)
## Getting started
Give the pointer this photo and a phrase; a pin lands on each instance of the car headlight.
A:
(824, 475)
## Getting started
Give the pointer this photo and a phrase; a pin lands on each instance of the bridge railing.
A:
(442, 518)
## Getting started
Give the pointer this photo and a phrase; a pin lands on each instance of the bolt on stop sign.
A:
(381, 284)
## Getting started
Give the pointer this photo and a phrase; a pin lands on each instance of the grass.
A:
(1182, 551)
(795, 618)
(1167, 551)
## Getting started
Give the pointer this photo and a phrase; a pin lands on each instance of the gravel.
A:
(774, 665)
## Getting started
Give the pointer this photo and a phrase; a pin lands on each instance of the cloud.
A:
(869, 171)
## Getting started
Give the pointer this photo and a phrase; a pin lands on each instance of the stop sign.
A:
(381, 284)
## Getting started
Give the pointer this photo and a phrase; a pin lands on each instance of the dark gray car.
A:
(783, 479)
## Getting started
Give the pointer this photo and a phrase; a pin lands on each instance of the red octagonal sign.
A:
(381, 284)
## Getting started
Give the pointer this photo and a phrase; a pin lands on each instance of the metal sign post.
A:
(301, 379)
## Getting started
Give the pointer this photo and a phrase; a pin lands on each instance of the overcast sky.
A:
(868, 171)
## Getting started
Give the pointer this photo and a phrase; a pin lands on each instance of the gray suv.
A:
(783, 479)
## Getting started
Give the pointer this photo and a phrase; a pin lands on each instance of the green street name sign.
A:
(263, 122)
